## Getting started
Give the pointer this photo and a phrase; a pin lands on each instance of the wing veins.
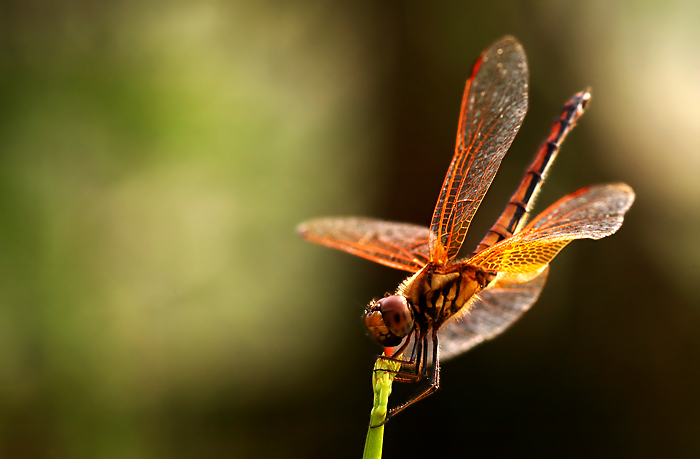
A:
(493, 106)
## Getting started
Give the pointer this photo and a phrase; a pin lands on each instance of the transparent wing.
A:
(493, 108)
(397, 245)
(496, 308)
(592, 212)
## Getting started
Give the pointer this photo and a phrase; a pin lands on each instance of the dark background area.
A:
(155, 158)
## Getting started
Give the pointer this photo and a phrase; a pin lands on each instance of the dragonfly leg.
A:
(434, 373)
(410, 369)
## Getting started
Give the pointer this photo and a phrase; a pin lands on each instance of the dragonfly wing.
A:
(495, 309)
(592, 212)
(493, 108)
(397, 245)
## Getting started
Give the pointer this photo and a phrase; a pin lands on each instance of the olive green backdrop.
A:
(155, 158)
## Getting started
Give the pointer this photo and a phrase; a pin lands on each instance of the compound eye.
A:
(397, 314)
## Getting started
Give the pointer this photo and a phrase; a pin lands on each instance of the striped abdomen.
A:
(522, 201)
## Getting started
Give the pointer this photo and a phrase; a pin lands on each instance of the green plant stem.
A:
(382, 378)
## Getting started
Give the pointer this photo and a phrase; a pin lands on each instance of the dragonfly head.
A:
(390, 319)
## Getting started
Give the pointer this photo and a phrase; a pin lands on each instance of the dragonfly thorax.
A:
(390, 319)
(438, 292)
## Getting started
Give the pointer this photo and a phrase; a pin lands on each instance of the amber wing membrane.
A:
(493, 108)
(592, 212)
(397, 245)
(495, 309)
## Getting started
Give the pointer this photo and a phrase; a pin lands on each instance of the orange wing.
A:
(495, 309)
(397, 245)
(592, 212)
(493, 108)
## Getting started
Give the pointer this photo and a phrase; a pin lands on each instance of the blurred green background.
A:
(155, 158)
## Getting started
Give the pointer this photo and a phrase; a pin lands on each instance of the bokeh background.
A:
(155, 158)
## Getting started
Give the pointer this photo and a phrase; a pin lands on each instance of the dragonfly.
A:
(449, 305)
